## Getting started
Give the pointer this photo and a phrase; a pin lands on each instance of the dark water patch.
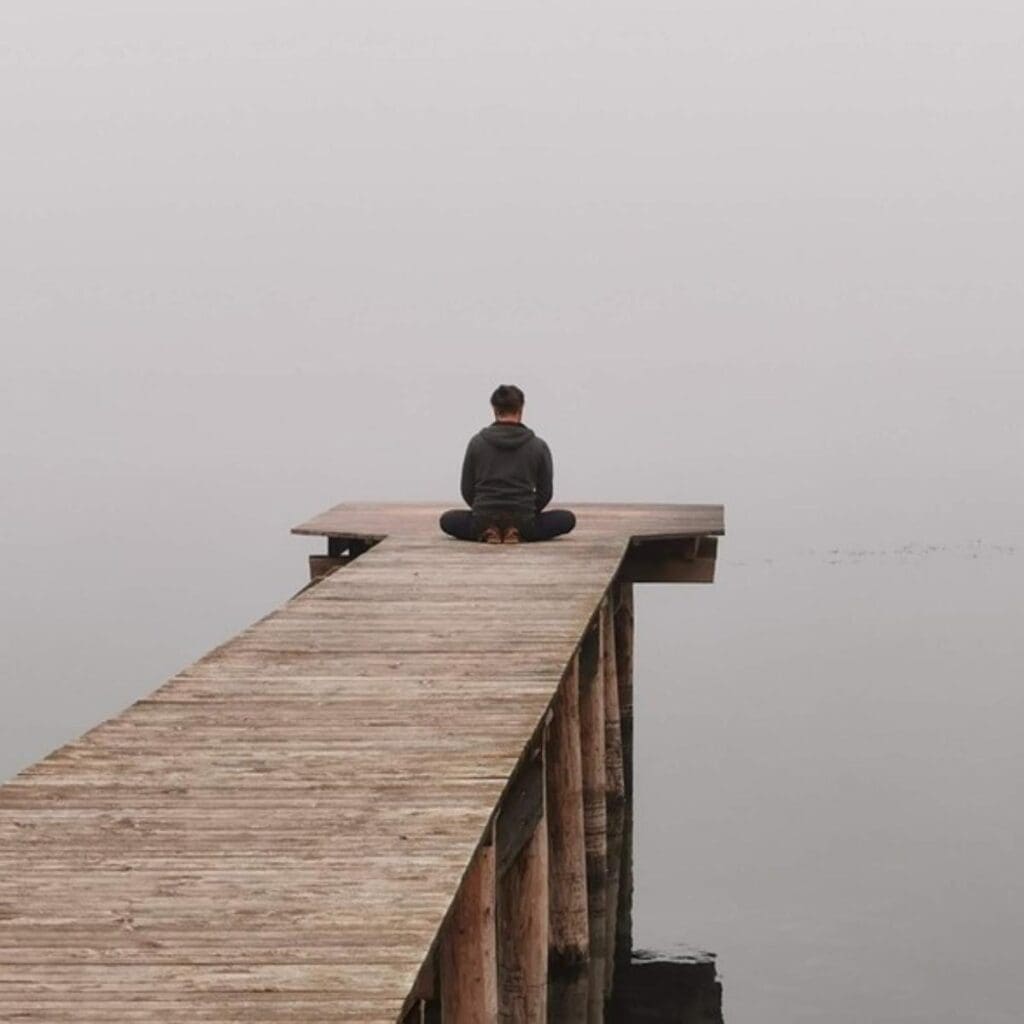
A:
(677, 987)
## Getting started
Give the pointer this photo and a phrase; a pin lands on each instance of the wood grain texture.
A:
(522, 910)
(468, 948)
(278, 832)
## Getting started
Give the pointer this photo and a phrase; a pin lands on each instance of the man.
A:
(507, 481)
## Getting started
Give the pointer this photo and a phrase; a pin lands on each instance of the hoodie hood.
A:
(507, 436)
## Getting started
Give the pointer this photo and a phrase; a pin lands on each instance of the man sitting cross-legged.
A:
(507, 481)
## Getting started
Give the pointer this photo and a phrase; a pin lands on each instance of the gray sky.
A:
(259, 258)
(773, 248)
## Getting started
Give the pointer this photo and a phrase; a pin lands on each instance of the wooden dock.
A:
(402, 796)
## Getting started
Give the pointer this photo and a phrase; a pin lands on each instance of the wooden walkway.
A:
(278, 832)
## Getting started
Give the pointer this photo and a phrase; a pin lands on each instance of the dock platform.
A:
(404, 795)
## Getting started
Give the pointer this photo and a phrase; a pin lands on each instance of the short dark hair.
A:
(507, 398)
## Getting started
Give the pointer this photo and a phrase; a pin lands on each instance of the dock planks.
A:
(277, 833)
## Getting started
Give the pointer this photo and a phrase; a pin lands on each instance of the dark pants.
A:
(464, 525)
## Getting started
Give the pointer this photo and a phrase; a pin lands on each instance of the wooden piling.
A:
(468, 954)
(424, 993)
(523, 933)
(615, 789)
(595, 811)
(521, 845)
(623, 593)
(569, 929)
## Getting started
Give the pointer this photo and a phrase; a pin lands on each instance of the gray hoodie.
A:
(507, 469)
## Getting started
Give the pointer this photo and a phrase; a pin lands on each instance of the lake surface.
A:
(829, 771)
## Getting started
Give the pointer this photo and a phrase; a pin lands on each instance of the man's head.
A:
(507, 402)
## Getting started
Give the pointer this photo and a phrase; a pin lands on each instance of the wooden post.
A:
(522, 907)
(595, 812)
(424, 994)
(615, 787)
(569, 941)
(468, 957)
(623, 951)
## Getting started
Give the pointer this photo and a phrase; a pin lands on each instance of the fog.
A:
(259, 258)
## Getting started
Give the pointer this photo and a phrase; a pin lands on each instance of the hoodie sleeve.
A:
(468, 482)
(545, 477)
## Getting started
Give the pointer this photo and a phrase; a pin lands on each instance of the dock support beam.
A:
(622, 594)
(340, 551)
(523, 933)
(615, 787)
(541, 930)
(569, 929)
(595, 812)
(521, 844)
(468, 955)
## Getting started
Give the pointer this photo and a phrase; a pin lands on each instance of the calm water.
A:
(830, 769)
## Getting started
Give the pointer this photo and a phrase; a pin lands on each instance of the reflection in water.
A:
(678, 987)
